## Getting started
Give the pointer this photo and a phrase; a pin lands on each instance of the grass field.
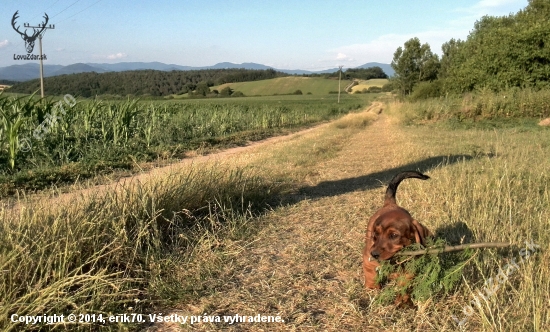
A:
(378, 82)
(278, 230)
(285, 86)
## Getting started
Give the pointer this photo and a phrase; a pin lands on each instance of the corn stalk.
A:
(12, 121)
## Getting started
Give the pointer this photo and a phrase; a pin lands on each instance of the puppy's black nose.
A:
(375, 254)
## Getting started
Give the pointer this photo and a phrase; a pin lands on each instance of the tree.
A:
(450, 50)
(502, 52)
(364, 73)
(226, 92)
(414, 63)
(202, 89)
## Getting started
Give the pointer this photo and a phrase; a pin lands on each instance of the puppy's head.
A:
(393, 231)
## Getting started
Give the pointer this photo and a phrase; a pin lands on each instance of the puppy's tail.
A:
(394, 183)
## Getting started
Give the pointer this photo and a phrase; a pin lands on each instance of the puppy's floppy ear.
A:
(420, 232)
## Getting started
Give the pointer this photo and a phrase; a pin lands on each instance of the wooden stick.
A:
(454, 248)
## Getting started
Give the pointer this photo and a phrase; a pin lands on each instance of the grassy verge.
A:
(483, 109)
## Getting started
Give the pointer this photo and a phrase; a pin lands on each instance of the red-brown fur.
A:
(390, 229)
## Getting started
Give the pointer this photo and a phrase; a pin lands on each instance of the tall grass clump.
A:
(124, 251)
(356, 120)
(514, 103)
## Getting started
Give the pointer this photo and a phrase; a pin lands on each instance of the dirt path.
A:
(221, 156)
(305, 264)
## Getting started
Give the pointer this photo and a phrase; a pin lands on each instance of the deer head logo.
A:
(29, 40)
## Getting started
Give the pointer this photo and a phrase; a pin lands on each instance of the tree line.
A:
(353, 73)
(499, 53)
(142, 82)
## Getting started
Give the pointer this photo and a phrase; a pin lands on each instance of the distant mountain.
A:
(27, 71)
(77, 68)
(124, 66)
(246, 65)
(31, 71)
(385, 67)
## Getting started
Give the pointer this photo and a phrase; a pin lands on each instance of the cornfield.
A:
(97, 136)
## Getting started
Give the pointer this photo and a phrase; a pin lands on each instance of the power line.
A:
(74, 3)
(80, 11)
(51, 5)
(15, 44)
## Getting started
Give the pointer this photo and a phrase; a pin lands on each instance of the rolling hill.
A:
(284, 85)
(379, 82)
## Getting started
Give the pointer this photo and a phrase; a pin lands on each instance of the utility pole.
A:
(339, 80)
(41, 67)
(43, 27)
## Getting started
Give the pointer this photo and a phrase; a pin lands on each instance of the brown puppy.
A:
(390, 229)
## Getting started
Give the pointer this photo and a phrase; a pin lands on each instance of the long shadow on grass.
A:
(375, 180)
(455, 233)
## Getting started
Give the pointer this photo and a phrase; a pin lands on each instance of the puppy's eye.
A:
(394, 236)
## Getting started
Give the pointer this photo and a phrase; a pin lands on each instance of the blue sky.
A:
(298, 34)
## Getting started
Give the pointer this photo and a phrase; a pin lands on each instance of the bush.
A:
(388, 87)
(424, 90)
(226, 92)
(298, 92)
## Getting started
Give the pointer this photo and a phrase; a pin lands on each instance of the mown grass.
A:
(366, 84)
(285, 86)
(97, 137)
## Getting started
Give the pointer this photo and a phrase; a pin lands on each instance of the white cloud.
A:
(341, 56)
(4, 43)
(382, 48)
(117, 56)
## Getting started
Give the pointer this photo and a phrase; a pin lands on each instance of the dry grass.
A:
(305, 262)
(359, 120)
(301, 260)
(365, 84)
